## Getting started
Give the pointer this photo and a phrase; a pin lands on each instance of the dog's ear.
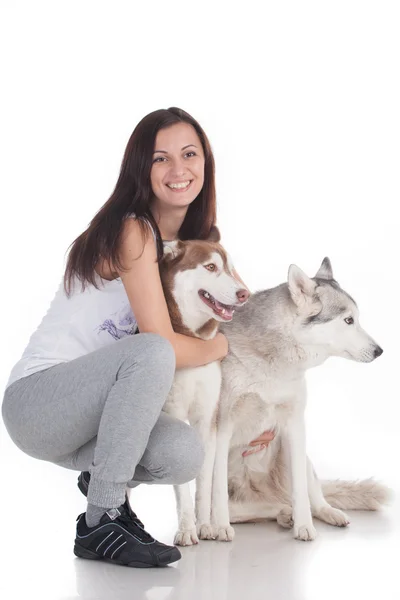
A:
(214, 235)
(302, 290)
(172, 249)
(325, 270)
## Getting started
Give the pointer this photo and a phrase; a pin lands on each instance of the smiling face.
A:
(177, 172)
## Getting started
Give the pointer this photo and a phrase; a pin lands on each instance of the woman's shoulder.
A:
(132, 218)
(131, 227)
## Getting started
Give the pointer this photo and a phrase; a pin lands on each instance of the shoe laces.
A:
(133, 515)
(131, 521)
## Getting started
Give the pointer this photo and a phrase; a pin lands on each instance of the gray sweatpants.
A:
(102, 413)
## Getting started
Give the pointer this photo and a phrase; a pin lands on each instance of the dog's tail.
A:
(366, 494)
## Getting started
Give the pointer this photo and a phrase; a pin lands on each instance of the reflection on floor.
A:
(41, 501)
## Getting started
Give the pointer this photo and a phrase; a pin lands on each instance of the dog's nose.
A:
(378, 351)
(243, 295)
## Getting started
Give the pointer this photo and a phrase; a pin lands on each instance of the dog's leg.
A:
(320, 507)
(204, 484)
(186, 534)
(220, 499)
(303, 525)
(203, 417)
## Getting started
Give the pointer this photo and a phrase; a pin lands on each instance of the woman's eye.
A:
(349, 320)
(210, 267)
(163, 158)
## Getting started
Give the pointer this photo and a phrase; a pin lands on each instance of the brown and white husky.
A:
(201, 290)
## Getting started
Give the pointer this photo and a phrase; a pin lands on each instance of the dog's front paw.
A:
(225, 533)
(285, 517)
(186, 537)
(332, 516)
(305, 532)
(205, 532)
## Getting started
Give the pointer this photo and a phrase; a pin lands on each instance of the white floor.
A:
(40, 503)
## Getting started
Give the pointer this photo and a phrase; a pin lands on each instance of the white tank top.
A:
(76, 325)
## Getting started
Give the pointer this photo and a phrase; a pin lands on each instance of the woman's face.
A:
(177, 172)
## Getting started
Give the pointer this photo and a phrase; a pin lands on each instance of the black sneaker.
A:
(119, 539)
(83, 485)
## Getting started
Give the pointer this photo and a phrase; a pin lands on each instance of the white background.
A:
(300, 101)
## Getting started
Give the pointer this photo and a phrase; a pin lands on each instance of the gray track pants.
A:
(102, 413)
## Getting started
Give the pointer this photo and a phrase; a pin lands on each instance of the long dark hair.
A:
(132, 194)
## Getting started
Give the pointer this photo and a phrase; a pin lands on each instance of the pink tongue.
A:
(220, 308)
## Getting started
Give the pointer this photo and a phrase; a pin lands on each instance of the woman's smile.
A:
(180, 187)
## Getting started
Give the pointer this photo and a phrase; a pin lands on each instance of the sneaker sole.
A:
(81, 552)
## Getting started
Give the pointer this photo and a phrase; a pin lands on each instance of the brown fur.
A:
(207, 329)
(189, 255)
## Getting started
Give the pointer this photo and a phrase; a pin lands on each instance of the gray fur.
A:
(273, 308)
(273, 341)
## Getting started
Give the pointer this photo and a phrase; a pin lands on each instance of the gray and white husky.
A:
(273, 340)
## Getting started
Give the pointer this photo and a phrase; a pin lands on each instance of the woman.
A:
(81, 401)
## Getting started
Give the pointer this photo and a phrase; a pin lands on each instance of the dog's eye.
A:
(211, 267)
(349, 320)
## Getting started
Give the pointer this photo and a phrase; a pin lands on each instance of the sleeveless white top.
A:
(76, 325)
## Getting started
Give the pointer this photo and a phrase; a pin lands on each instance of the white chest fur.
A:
(194, 393)
(254, 406)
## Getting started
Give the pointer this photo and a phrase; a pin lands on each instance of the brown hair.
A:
(132, 194)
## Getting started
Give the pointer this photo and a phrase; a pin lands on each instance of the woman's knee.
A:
(11, 415)
(161, 351)
(154, 351)
(179, 455)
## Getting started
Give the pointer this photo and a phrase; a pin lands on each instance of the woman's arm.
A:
(144, 290)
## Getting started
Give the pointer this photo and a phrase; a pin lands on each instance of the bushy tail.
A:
(366, 494)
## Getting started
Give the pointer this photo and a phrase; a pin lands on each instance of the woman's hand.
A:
(222, 344)
(260, 443)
